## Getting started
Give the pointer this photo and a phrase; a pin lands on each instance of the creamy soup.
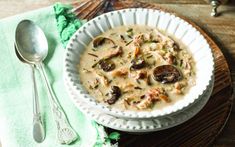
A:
(136, 68)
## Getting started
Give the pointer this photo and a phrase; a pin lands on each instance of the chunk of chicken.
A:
(120, 72)
(169, 58)
(102, 78)
(144, 104)
(162, 38)
(142, 38)
(153, 95)
(179, 87)
(138, 40)
(127, 87)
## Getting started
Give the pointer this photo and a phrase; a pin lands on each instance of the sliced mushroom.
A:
(102, 40)
(110, 55)
(137, 63)
(107, 65)
(118, 51)
(115, 93)
(166, 74)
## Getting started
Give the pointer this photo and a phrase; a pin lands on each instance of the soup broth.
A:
(136, 68)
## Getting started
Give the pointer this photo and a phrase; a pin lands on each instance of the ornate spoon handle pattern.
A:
(65, 132)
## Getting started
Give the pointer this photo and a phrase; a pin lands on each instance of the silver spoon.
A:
(38, 128)
(32, 45)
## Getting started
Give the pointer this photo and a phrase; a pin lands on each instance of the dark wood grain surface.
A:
(220, 29)
(202, 129)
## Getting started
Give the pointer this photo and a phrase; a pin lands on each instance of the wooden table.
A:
(221, 29)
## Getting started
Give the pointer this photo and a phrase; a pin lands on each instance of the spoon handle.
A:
(65, 132)
(38, 129)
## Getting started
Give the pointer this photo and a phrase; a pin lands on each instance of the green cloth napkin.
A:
(16, 90)
(67, 22)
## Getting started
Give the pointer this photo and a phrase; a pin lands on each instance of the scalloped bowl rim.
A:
(71, 71)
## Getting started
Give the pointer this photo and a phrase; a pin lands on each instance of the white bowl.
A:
(167, 22)
(140, 125)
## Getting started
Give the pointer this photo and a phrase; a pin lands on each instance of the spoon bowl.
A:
(19, 56)
(31, 42)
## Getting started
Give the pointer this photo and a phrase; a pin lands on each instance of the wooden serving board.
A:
(202, 129)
